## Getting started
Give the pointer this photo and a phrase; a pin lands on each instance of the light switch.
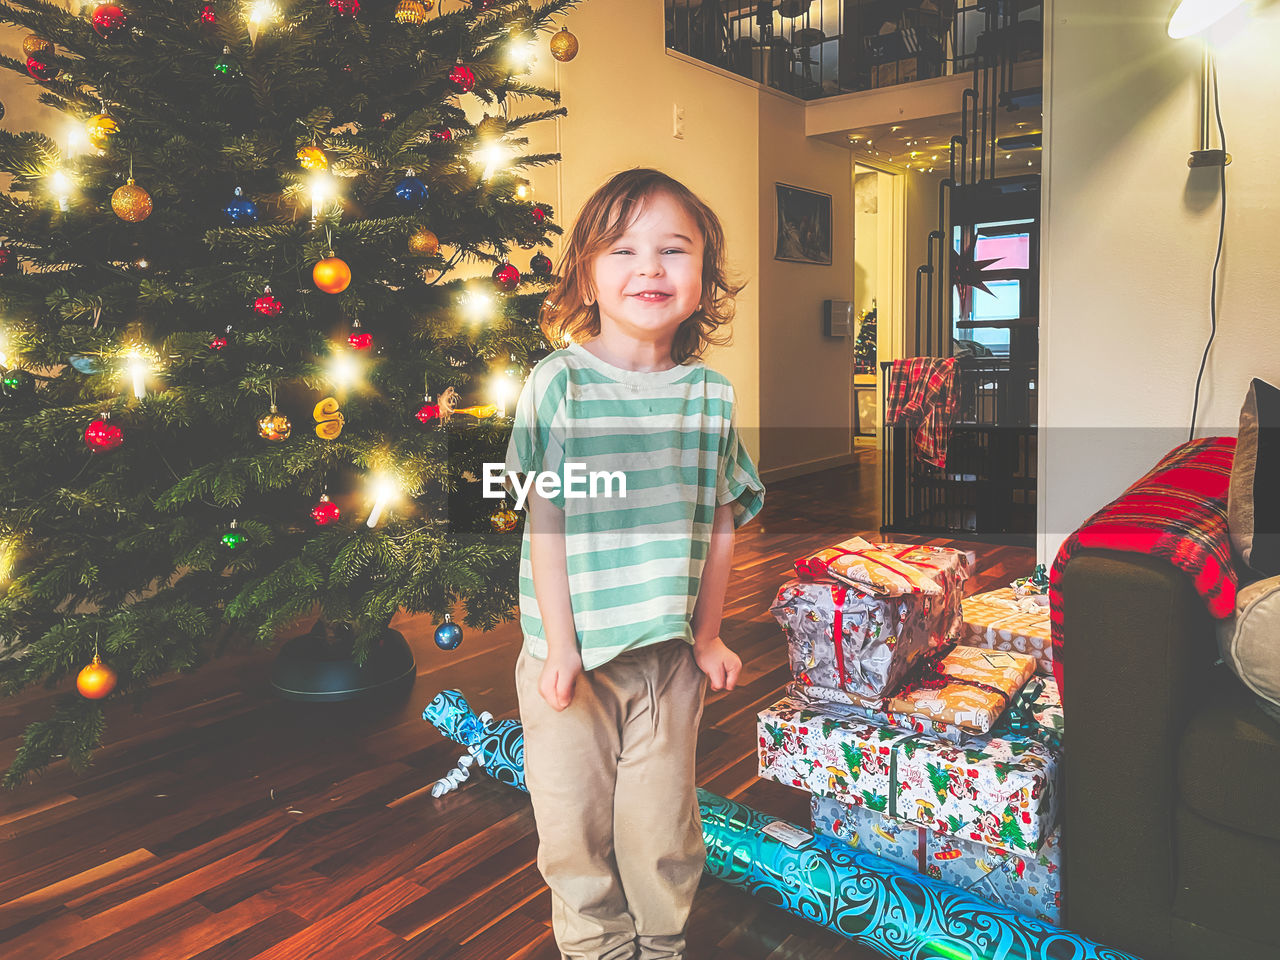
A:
(677, 116)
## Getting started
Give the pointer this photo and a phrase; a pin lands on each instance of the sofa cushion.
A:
(1250, 638)
(1253, 509)
(1229, 758)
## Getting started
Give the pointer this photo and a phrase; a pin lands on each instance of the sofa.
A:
(1171, 843)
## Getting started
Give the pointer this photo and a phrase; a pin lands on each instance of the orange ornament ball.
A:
(332, 275)
(424, 243)
(96, 681)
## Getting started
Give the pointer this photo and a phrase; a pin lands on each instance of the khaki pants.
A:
(614, 800)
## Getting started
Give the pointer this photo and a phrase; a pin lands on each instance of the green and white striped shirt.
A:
(635, 562)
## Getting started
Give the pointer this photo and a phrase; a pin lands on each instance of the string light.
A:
(60, 185)
(137, 367)
(323, 189)
(503, 389)
(385, 490)
(521, 53)
(344, 369)
(492, 155)
(477, 305)
(261, 12)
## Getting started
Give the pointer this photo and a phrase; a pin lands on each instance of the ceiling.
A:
(923, 144)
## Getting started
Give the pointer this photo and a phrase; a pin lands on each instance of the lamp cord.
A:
(1222, 228)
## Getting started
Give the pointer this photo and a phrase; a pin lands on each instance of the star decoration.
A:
(967, 275)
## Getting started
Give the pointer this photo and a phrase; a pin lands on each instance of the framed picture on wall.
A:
(803, 232)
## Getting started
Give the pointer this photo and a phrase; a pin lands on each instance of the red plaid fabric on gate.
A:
(1178, 511)
(923, 389)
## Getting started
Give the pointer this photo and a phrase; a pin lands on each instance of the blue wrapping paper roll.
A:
(871, 901)
(497, 747)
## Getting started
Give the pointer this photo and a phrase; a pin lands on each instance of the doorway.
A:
(879, 290)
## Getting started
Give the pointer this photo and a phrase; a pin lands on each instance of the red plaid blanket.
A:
(923, 389)
(1178, 511)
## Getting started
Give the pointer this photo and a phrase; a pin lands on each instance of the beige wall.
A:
(793, 383)
(1130, 240)
(805, 386)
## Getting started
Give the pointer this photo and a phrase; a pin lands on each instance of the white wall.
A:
(1130, 235)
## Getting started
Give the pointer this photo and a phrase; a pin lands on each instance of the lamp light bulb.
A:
(1196, 16)
(137, 365)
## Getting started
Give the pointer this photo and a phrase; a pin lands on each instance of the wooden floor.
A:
(221, 823)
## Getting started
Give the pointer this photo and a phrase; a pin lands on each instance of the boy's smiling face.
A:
(661, 253)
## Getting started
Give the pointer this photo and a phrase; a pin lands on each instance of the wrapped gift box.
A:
(999, 620)
(841, 637)
(1046, 710)
(997, 791)
(1029, 884)
(888, 569)
(977, 685)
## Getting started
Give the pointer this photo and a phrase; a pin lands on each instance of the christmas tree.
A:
(864, 348)
(247, 375)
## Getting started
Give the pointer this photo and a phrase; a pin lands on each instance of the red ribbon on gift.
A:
(837, 629)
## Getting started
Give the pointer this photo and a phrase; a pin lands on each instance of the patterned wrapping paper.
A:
(1029, 884)
(997, 791)
(981, 684)
(880, 637)
(1047, 711)
(886, 569)
(999, 620)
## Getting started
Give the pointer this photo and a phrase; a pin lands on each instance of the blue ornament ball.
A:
(448, 634)
(241, 211)
(411, 192)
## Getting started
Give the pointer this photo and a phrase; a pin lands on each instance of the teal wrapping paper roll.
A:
(872, 901)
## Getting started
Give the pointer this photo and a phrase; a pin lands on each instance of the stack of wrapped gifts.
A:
(923, 738)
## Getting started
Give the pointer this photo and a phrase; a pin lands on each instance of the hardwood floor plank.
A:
(223, 823)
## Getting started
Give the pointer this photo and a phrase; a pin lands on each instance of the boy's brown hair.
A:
(603, 219)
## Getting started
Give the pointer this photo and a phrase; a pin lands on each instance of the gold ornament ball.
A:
(131, 202)
(504, 520)
(313, 158)
(332, 275)
(37, 47)
(96, 681)
(99, 129)
(424, 243)
(412, 11)
(564, 46)
(274, 426)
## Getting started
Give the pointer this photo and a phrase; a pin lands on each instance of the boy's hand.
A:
(559, 674)
(718, 662)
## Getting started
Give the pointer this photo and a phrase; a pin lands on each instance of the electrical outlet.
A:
(677, 121)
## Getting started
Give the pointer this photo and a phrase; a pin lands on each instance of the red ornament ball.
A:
(39, 70)
(218, 342)
(461, 78)
(208, 14)
(102, 436)
(346, 8)
(541, 265)
(360, 340)
(443, 133)
(108, 20)
(8, 261)
(267, 305)
(539, 214)
(428, 412)
(325, 512)
(507, 276)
